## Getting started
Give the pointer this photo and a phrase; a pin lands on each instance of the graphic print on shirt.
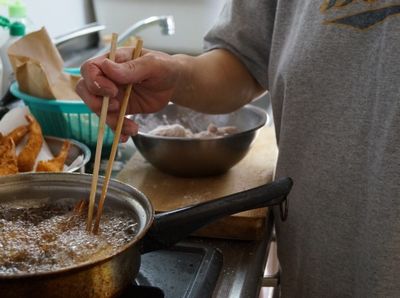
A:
(359, 14)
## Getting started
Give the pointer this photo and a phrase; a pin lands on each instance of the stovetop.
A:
(188, 270)
(136, 291)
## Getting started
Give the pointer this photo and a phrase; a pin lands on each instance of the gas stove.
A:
(187, 270)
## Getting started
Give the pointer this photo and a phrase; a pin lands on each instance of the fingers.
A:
(94, 78)
(103, 77)
(153, 75)
(93, 101)
(129, 128)
(119, 72)
(124, 54)
(132, 71)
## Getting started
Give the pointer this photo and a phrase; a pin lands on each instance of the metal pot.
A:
(109, 276)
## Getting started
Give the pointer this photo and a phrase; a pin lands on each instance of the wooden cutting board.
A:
(168, 192)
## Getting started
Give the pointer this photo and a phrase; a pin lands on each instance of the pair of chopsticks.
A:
(99, 145)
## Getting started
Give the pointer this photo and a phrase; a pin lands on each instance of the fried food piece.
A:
(57, 163)
(28, 155)
(8, 157)
(18, 133)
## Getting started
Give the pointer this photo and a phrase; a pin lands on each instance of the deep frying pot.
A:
(109, 276)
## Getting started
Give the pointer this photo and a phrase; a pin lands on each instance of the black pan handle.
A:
(170, 227)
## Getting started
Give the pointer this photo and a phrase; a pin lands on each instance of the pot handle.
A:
(170, 227)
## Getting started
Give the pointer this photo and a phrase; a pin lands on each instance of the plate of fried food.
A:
(23, 148)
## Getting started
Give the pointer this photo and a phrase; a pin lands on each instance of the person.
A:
(332, 71)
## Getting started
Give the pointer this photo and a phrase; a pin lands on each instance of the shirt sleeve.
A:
(245, 29)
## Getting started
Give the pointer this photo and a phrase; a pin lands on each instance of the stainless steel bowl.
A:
(77, 149)
(196, 157)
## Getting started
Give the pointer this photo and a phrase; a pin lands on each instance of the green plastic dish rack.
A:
(70, 119)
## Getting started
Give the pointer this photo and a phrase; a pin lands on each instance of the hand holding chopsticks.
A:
(117, 136)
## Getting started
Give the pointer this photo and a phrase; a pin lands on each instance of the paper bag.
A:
(38, 67)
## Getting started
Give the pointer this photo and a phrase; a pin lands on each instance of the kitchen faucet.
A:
(167, 24)
(85, 30)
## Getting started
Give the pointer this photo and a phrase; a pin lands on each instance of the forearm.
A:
(214, 82)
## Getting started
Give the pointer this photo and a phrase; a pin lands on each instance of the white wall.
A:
(192, 17)
(58, 16)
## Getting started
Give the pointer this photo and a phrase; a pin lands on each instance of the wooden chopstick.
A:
(117, 135)
(99, 145)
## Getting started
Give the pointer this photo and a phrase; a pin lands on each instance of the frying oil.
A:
(51, 237)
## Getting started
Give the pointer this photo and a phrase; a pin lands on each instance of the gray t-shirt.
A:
(333, 71)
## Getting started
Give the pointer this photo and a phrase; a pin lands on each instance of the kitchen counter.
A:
(244, 261)
(167, 192)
